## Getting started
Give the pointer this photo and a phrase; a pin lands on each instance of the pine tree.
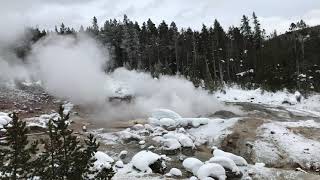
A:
(17, 152)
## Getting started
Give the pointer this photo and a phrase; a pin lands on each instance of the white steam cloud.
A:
(71, 68)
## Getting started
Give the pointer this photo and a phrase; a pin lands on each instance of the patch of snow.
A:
(67, 108)
(42, 120)
(238, 160)
(297, 148)
(4, 119)
(214, 131)
(309, 105)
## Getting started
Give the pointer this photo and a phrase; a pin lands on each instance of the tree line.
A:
(212, 57)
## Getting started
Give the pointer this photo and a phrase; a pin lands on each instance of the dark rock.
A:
(157, 167)
(272, 132)
(233, 175)
(224, 114)
(286, 102)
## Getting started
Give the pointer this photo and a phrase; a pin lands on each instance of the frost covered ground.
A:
(275, 137)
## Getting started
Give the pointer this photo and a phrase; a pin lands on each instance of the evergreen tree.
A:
(17, 152)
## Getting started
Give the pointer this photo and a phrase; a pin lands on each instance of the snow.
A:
(238, 160)
(297, 148)
(102, 160)
(211, 170)
(67, 108)
(4, 119)
(168, 118)
(194, 122)
(226, 163)
(119, 164)
(184, 139)
(192, 164)
(170, 144)
(164, 113)
(42, 120)
(174, 172)
(245, 72)
(214, 131)
(308, 106)
(167, 122)
(123, 154)
(143, 159)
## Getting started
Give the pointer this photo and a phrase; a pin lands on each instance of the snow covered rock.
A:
(193, 178)
(238, 160)
(171, 144)
(184, 139)
(225, 162)
(211, 170)
(4, 119)
(147, 161)
(192, 164)
(194, 122)
(232, 170)
(137, 127)
(174, 172)
(119, 164)
(102, 160)
(123, 154)
(167, 123)
(128, 136)
(164, 113)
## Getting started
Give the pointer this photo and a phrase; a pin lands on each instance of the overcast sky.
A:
(273, 14)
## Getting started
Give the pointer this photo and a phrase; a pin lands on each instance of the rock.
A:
(158, 167)
(147, 161)
(223, 114)
(142, 142)
(137, 127)
(123, 154)
(175, 172)
(119, 164)
(84, 128)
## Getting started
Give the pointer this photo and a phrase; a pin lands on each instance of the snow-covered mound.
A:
(4, 119)
(226, 163)
(192, 164)
(143, 159)
(174, 172)
(164, 113)
(211, 170)
(170, 119)
(102, 160)
(238, 160)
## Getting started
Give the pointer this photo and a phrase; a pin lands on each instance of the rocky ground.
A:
(277, 142)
